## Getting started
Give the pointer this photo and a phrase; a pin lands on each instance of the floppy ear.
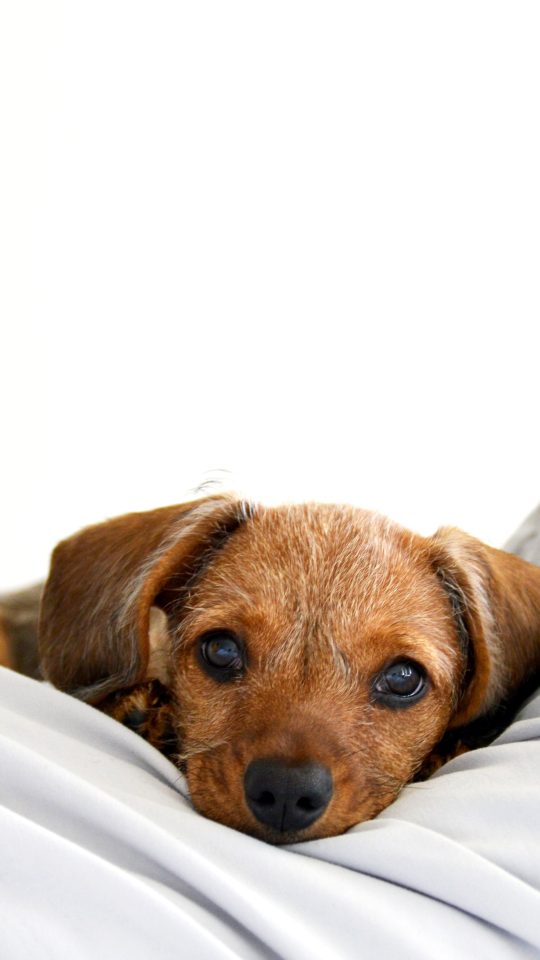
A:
(495, 598)
(104, 582)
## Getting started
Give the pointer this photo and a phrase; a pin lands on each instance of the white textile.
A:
(103, 856)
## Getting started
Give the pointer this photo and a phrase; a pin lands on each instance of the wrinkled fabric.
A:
(525, 542)
(102, 855)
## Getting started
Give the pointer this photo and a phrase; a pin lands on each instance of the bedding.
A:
(525, 542)
(103, 855)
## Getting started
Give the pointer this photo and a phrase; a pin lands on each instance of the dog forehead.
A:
(312, 585)
(317, 554)
(324, 540)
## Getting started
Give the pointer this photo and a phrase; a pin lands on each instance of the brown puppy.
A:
(301, 663)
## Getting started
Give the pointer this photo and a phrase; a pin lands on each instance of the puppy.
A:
(300, 663)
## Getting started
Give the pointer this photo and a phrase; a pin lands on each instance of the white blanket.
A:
(102, 855)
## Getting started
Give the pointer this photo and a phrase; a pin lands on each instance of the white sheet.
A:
(103, 856)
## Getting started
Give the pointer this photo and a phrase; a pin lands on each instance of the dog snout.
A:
(287, 797)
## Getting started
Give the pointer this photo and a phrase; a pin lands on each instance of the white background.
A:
(292, 245)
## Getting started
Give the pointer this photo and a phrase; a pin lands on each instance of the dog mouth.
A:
(285, 797)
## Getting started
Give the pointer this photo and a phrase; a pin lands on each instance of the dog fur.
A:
(321, 599)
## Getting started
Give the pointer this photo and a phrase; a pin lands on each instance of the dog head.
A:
(313, 656)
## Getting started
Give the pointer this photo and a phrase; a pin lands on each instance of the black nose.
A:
(287, 797)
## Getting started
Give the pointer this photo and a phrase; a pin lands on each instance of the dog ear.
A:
(495, 599)
(105, 583)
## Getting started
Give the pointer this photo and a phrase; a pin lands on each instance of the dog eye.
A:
(400, 683)
(220, 654)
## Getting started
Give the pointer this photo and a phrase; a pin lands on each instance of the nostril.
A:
(308, 803)
(266, 799)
